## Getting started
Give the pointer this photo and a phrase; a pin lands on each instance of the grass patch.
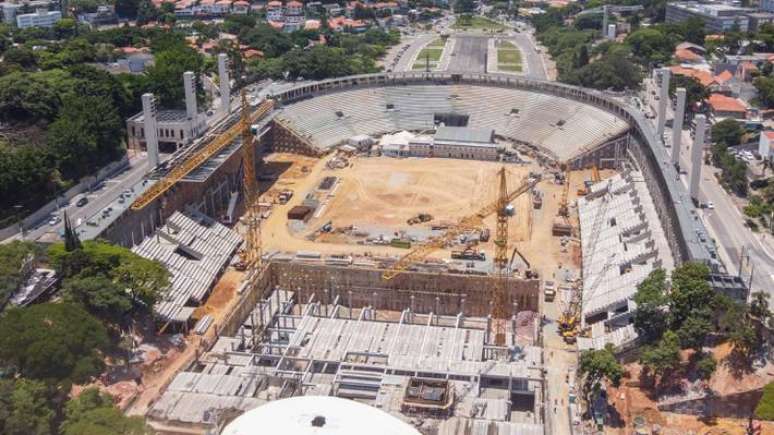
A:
(511, 67)
(420, 66)
(464, 22)
(508, 56)
(507, 45)
(433, 53)
(437, 43)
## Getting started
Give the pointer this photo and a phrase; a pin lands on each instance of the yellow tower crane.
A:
(200, 156)
(250, 255)
(500, 298)
(472, 223)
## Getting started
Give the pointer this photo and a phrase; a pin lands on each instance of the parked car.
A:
(81, 202)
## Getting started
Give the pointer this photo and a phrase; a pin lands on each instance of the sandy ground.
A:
(382, 192)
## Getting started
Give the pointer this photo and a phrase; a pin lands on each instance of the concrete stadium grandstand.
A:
(577, 126)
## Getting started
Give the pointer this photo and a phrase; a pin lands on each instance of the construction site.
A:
(422, 251)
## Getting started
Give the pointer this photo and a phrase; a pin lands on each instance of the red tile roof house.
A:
(727, 107)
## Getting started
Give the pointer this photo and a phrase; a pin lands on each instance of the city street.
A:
(98, 200)
(724, 221)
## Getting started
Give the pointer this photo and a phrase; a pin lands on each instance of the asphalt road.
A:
(469, 55)
(530, 58)
(725, 222)
(98, 200)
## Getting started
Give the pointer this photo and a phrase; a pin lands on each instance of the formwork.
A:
(440, 293)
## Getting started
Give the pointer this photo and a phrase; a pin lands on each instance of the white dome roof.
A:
(317, 415)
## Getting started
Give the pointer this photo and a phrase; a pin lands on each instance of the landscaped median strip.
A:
(508, 57)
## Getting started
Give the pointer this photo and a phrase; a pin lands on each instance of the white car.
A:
(54, 220)
(710, 205)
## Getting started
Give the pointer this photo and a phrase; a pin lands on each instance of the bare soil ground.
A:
(634, 401)
(382, 192)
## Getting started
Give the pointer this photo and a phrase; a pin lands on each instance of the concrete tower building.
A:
(662, 102)
(677, 126)
(696, 154)
(150, 129)
(225, 88)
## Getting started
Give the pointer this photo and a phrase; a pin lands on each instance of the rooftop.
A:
(464, 134)
(722, 103)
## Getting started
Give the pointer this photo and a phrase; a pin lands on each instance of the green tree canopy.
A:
(765, 408)
(100, 295)
(143, 280)
(651, 319)
(599, 364)
(93, 413)
(728, 132)
(25, 408)
(663, 357)
(52, 342)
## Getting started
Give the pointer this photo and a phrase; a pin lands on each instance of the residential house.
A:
(765, 144)
(333, 9)
(240, 7)
(723, 106)
(222, 7)
(274, 11)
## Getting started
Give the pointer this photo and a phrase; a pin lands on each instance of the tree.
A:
(93, 412)
(164, 77)
(87, 133)
(765, 408)
(728, 132)
(650, 46)
(613, 70)
(765, 87)
(650, 318)
(12, 257)
(759, 307)
(691, 292)
(705, 365)
(71, 240)
(25, 408)
(695, 92)
(52, 342)
(100, 296)
(599, 364)
(744, 339)
(664, 357)
(583, 56)
(143, 280)
(464, 6)
(694, 330)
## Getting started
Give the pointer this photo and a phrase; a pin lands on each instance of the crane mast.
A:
(251, 252)
(501, 262)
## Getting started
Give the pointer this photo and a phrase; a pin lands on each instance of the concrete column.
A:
(225, 88)
(662, 102)
(604, 19)
(696, 154)
(190, 94)
(677, 126)
(611, 31)
(151, 132)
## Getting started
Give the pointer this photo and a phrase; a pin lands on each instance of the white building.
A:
(40, 18)
(765, 144)
(274, 11)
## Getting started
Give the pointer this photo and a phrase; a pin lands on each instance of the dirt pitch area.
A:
(387, 191)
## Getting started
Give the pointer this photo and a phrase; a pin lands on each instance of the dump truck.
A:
(420, 218)
(468, 254)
